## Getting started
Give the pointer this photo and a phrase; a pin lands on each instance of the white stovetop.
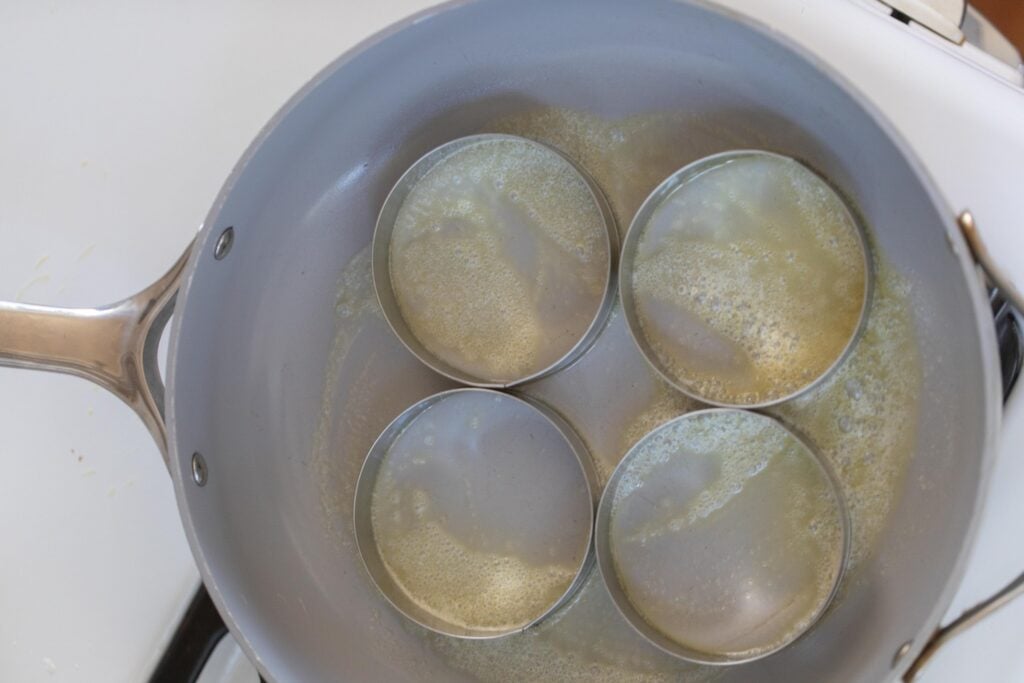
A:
(118, 123)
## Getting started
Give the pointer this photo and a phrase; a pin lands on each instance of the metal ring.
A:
(382, 282)
(369, 548)
(628, 297)
(618, 591)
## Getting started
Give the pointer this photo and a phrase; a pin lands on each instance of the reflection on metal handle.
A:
(1016, 587)
(114, 346)
(995, 274)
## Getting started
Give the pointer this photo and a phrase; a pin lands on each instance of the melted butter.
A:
(726, 534)
(627, 157)
(863, 419)
(499, 259)
(481, 512)
(468, 588)
(589, 640)
(586, 642)
(749, 280)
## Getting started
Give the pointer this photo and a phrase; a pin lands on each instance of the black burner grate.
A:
(1010, 339)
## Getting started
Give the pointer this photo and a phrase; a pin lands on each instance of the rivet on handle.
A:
(996, 275)
(902, 652)
(224, 242)
(199, 471)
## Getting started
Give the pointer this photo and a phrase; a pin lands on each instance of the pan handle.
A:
(114, 346)
(1015, 588)
(983, 258)
(984, 609)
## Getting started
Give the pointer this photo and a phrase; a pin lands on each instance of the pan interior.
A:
(283, 371)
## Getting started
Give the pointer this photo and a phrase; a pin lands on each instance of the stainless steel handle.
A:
(983, 258)
(966, 620)
(114, 346)
(1015, 588)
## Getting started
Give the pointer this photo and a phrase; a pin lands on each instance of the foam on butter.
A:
(499, 259)
(749, 280)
